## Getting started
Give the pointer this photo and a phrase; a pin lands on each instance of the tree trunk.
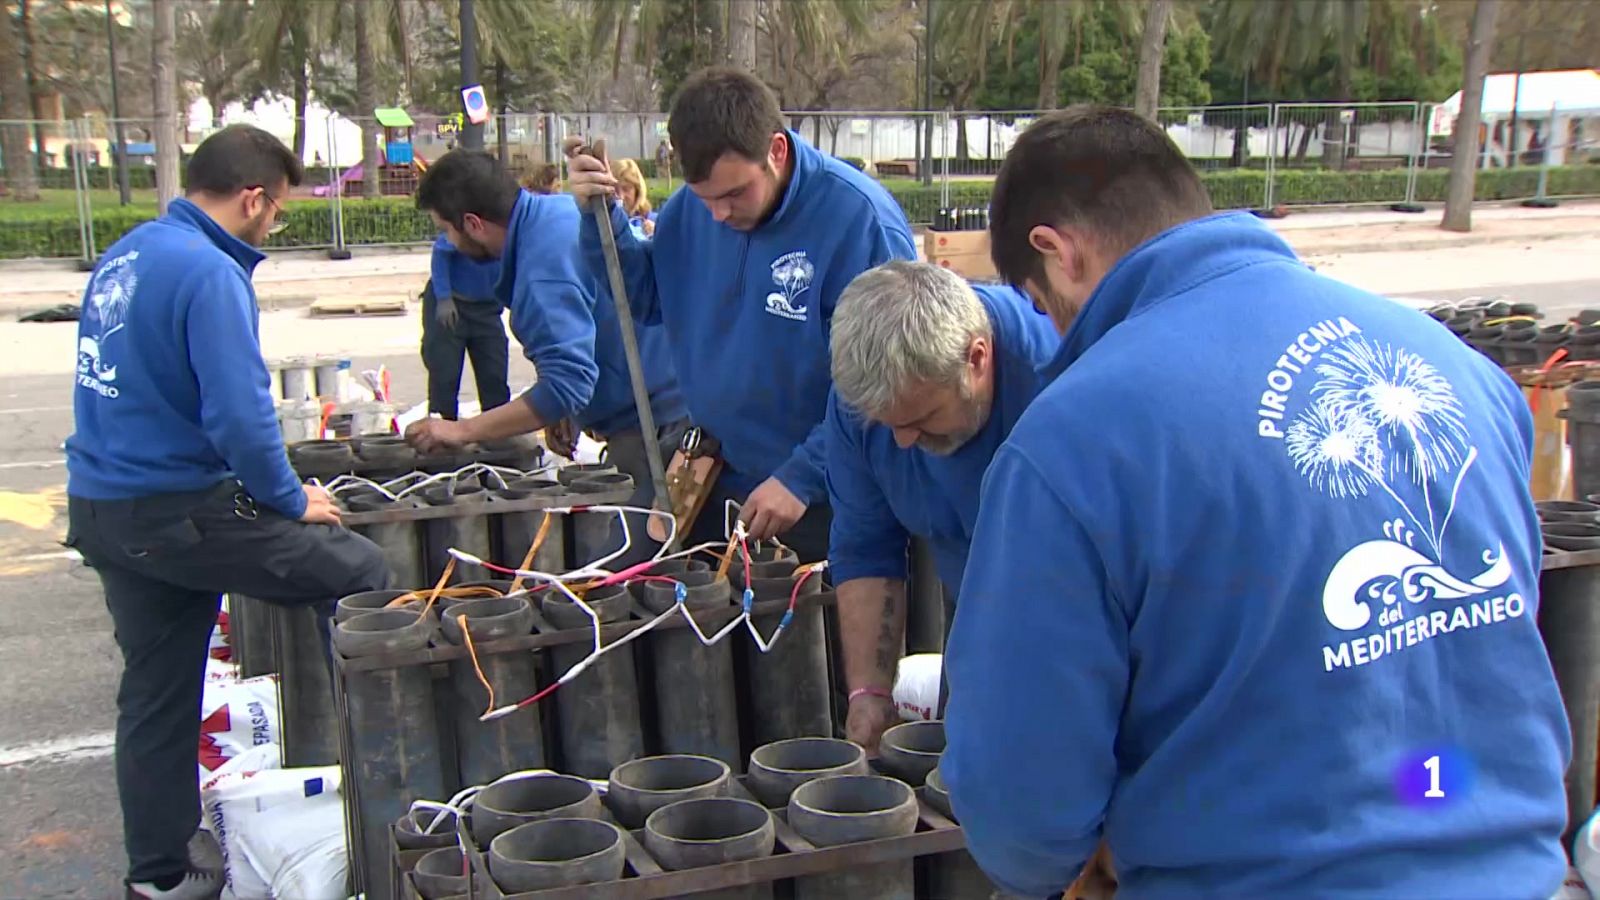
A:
(164, 92)
(20, 174)
(367, 101)
(1336, 153)
(302, 94)
(1464, 158)
(25, 32)
(1147, 95)
(742, 34)
(1049, 74)
(962, 150)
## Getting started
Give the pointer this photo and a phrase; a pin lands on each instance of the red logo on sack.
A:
(211, 755)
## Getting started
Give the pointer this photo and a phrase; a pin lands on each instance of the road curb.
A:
(1402, 244)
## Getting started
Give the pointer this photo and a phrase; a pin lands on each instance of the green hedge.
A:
(396, 220)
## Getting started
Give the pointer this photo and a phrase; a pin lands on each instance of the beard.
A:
(472, 249)
(977, 415)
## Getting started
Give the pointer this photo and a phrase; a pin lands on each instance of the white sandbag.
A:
(221, 635)
(235, 716)
(1573, 888)
(1586, 853)
(256, 759)
(916, 686)
(218, 670)
(255, 815)
(299, 849)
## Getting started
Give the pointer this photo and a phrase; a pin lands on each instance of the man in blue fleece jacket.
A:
(1253, 589)
(929, 375)
(568, 329)
(178, 486)
(744, 269)
(461, 320)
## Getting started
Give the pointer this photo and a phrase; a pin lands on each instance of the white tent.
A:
(1570, 91)
(1570, 97)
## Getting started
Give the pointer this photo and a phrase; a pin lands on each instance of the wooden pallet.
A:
(360, 307)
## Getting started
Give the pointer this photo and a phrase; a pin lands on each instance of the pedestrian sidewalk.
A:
(295, 279)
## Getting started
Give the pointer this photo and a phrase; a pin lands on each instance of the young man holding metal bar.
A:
(1253, 589)
(178, 485)
(744, 269)
(929, 375)
(565, 321)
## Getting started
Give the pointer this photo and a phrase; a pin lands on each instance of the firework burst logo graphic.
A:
(1383, 420)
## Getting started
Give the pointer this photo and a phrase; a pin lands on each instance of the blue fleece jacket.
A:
(568, 326)
(455, 273)
(748, 312)
(172, 394)
(1260, 552)
(882, 494)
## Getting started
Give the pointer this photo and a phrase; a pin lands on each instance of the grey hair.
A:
(901, 325)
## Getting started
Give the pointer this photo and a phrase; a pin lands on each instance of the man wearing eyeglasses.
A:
(178, 486)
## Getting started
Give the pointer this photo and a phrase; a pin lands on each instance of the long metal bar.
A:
(630, 347)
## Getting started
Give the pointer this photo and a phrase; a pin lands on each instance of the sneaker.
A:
(197, 884)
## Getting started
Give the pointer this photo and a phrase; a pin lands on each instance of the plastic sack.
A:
(273, 824)
(1586, 853)
(236, 716)
(219, 670)
(221, 640)
(1573, 888)
(916, 686)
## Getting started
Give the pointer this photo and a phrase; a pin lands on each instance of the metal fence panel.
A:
(1373, 147)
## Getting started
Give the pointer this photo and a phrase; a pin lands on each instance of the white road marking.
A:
(71, 555)
(34, 464)
(60, 750)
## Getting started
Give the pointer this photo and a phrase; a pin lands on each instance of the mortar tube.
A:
(693, 834)
(487, 750)
(597, 534)
(954, 875)
(310, 724)
(1583, 433)
(250, 631)
(401, 542)
(694, 707)
(785, 692)
(557, 853)
(597, 713)
(639, 787)
(395, 752)
(849, 809)
(467, 532)
(514, 532)
(776, 770)
(1569, 621)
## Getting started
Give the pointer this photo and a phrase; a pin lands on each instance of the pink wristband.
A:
(870, 692)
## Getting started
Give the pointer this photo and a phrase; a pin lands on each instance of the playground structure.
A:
(399, 166)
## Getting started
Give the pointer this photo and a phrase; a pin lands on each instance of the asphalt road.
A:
(58, 664)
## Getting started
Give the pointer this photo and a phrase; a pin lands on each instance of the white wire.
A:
(348, 482)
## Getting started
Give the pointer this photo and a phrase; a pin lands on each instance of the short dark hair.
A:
(468, 181)
(722, 110)
(1107, 170)
(543, 180)
(240, 157)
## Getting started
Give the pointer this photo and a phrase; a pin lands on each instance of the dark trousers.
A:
(808, 538)
(625, 450)
(480, 335)
(164, 562)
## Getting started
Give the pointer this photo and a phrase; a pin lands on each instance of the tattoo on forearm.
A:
(888, 649)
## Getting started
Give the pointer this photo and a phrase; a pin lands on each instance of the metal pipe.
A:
(597, 713)
(849, 809)
(515, 532)
(1569, 621)
(640, 787)
(694, 834)
(467, 532)
(250, 630)
(630, 347)
(694, 705)
(535, 797)
(910, 750)
(487, 750)
(956, 875)
(925, 625)
(401, 542)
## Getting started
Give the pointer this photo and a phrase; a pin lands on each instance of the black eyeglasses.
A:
(280, 223)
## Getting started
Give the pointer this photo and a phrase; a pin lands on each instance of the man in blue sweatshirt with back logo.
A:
(1253, 590)
(929, 375)
(178, 487)
(567, 327)
(744, 269)
(460, 320)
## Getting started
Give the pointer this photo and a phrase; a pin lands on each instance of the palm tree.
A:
(1464, 158)
(1152, 45)
(812, 28)
(367, 101)
(281, 34)
(22, 177)
(164, 92)
(742, 34)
